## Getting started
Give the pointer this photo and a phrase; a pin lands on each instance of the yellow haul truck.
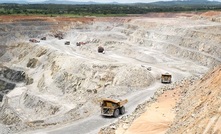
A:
(110, 107)
(166, 78)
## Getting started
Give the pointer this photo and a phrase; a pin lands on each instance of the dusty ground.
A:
(158, 116)
(68, 80)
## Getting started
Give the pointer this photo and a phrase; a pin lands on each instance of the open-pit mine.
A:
(54, 70)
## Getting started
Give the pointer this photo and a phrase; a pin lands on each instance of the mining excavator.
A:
(110, 107)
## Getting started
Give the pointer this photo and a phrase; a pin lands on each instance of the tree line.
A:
(51, 9)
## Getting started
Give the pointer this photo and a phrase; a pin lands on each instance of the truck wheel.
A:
(116, 113)
(122, 110)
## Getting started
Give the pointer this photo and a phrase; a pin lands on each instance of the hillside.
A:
(185, 2)
(54, 8)
(200, 107)
(158, 3)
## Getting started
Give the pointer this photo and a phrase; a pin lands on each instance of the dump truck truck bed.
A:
(110, 107)
(166, 78)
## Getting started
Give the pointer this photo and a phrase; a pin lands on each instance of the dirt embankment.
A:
(199, 108)
(15, 18)
(157, 118)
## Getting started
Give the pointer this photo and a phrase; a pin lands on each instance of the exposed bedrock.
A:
(9, 78)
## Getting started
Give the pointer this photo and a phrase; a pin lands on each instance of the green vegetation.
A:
(102, 9)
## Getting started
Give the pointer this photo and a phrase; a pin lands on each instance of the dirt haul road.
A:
(92, 124)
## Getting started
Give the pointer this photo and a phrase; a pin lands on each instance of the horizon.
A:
(97, 1)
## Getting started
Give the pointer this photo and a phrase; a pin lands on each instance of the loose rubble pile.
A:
(34, 41)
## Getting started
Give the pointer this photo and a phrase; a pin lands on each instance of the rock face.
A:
(199, 108)
(32, 63)
(8, 80)
(5, 87)
(13, 75)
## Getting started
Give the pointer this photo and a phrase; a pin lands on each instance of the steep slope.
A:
(199, 110)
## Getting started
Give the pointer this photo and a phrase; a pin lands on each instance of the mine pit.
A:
(56, 79)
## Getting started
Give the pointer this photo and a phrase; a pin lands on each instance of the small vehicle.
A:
(166, 78)
(59, 35)
(100, 49)
(110, 107)
(67, 43)
(81, 43)
(43, 38)
(34, 41)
